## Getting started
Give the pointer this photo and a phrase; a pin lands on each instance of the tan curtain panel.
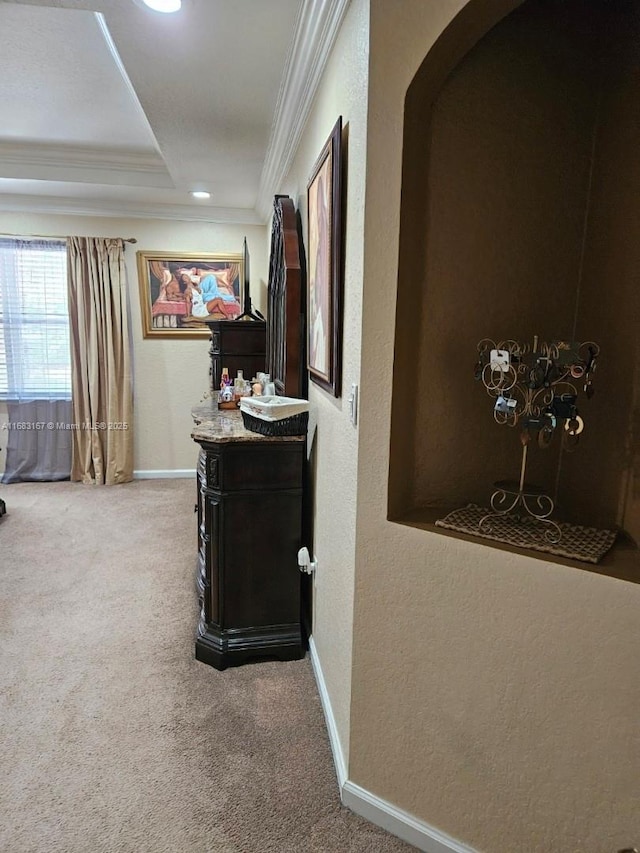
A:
(101, 371)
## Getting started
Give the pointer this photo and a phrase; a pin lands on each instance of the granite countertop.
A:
(225, 425)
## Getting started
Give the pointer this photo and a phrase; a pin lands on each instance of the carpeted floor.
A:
(114, 739)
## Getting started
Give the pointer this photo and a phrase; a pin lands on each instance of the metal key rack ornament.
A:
(536, 387)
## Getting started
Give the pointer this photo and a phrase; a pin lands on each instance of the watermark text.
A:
(64, 425)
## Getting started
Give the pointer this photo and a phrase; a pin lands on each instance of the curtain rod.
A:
(54, 237)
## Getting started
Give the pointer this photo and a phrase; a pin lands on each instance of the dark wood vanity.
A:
(249, 533)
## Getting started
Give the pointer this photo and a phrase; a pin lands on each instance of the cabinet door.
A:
(261, 583)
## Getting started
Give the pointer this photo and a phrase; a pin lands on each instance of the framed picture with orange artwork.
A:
(324, 266)
(179, 292)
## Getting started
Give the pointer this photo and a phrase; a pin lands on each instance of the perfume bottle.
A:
(239, 386)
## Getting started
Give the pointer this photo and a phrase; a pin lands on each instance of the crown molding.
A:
(123, 210)
(315, 33)
(81, 155)
(84, 164)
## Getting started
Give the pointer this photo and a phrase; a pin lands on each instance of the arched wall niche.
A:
(520, 216)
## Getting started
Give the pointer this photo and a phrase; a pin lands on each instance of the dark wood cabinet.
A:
(237, 345)
(250, 487)
(249, 533)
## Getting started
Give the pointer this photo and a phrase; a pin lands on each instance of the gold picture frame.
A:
(180, 291)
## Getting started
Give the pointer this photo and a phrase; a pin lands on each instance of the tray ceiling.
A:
(110, 108)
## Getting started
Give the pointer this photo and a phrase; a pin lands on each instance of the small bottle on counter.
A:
(240, 386)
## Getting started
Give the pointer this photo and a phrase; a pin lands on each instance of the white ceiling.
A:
(109, 108)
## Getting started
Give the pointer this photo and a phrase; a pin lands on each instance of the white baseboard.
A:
(381, 812)
(334, 738)
(398, 822)
(172, 474)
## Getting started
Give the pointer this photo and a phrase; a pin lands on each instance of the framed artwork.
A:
(324, 264)
(180, 291)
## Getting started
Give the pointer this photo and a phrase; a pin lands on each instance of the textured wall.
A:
(509, 192)
(610, 298)
(169, 375)
(494, 696)
(342, 92)
(510, 140)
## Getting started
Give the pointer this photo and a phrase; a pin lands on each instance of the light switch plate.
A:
(353, 404)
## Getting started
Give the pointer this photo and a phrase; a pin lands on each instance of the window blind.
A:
(35, 361)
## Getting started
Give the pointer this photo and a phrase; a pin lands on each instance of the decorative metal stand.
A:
(536, 387)
(511, 496)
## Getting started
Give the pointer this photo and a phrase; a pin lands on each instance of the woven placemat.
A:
(588, 544)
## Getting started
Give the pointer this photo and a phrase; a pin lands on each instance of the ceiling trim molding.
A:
(316, 30)
(83, 164)
(85, 207)
(80, 156)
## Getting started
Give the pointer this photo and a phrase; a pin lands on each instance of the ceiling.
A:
(109, 108)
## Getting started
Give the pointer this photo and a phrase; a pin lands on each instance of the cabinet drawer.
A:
(245, 467)
(265, 466)
(242, 339)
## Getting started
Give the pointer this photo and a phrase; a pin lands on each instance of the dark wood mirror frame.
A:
(285, 313)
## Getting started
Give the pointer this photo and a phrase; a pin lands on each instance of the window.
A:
(35, 361)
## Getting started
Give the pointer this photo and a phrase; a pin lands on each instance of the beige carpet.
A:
(114, 738)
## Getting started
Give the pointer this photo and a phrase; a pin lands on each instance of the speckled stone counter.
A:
(220, 426)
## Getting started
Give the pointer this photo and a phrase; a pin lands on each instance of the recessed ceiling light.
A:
(200, 194)
(163, 5)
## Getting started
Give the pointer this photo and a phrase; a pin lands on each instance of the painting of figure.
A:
(319, 270)
(180, 292)
(324, 266)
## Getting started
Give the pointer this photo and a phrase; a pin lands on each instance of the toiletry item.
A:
(241, 389)
(238, 386)
(226, 399)
(257, 388)
(263, 378)
(270, 389)
(225, 394)
(266, 381)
